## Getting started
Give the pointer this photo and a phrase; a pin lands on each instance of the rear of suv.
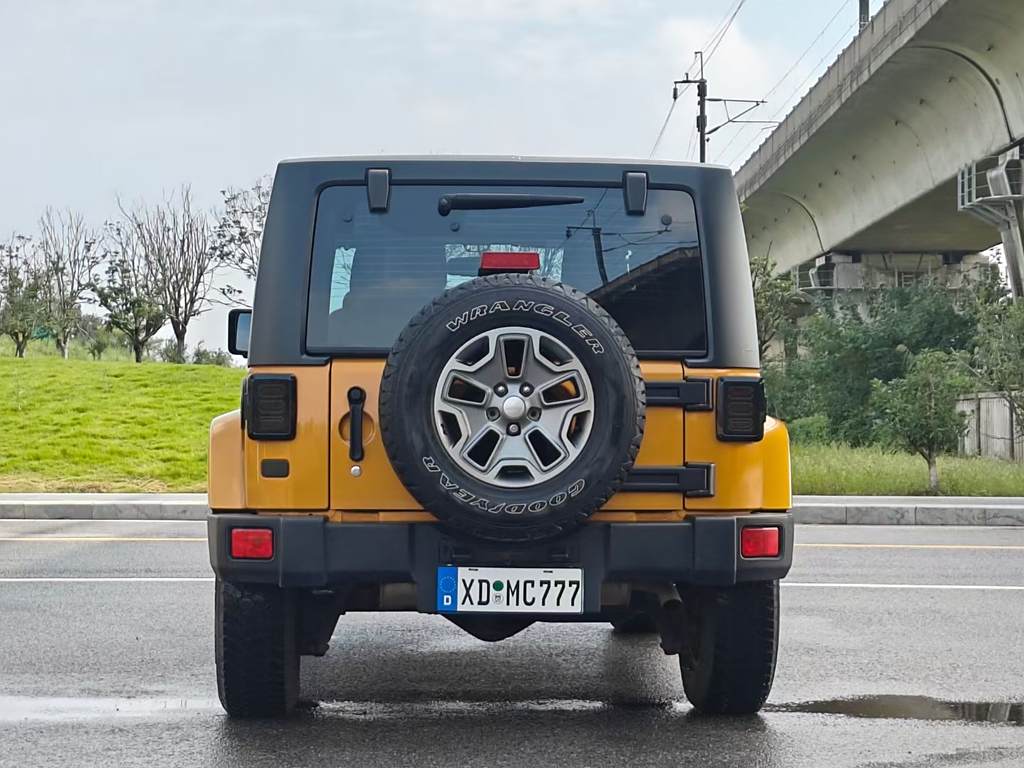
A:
(502, 391)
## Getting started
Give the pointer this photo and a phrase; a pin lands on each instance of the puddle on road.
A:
(23, 708)
(911, 708)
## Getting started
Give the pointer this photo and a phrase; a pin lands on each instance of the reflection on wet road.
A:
(120, 672)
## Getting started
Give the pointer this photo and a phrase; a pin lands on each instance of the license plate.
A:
(509, 590)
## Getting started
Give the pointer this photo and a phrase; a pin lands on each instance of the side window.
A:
(341, 276)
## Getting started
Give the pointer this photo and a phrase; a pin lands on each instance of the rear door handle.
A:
(356, 399)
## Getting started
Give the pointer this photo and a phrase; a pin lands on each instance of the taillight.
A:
(741, 409)
(759, 542)
(252, 543)
(270, 406)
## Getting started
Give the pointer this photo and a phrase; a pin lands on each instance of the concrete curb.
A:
(822, 510)
(908, 510)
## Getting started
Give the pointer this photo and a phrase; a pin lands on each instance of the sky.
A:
(129, 99)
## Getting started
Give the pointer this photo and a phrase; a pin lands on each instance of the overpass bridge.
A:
(909, 143)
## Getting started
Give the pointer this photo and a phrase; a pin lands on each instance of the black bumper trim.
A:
(311, 553)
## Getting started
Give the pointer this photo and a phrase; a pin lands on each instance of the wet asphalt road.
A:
(106, 658)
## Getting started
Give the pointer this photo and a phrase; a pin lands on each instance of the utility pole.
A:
(703, 132)
(865, 13)
(702, 104)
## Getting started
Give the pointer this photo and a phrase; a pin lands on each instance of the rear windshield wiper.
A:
(492, 201)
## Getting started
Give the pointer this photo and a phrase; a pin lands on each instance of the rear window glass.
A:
(372, 272)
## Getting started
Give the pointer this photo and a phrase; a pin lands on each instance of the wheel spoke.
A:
(561, 391)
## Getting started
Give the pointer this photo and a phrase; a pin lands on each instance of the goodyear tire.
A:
(256, 651)
(734, 642)
(512, 407)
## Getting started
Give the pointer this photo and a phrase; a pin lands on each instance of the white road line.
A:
(76, 520)
(841, 545)
(101, 579)
(846, 585)
(101, 539)
(208, 579)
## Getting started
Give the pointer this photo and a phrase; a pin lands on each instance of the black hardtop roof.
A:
(282, 286)
(425, 168)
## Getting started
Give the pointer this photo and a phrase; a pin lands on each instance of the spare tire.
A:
(512, 407)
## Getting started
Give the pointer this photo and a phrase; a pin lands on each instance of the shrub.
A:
(811, 430)
(203, 356)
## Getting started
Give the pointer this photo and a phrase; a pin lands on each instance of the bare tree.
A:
(131, 290)
(238, 236)
(178, 241)
(68, 257)
(21, 310)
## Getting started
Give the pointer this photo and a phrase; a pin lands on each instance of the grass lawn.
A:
(835, 470)
(77, 425)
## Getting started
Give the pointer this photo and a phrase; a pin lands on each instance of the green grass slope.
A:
(79, 425)
(76, 425)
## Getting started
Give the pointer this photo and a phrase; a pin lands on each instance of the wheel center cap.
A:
(514, 407)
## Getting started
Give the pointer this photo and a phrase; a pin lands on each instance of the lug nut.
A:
(526, 389)
(493, 414)
(533, 414)
(513, 429)
(500, 389)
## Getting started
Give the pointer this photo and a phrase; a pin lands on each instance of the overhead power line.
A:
(778, 83)
(717, 35)
(799, 89)
(712, 47)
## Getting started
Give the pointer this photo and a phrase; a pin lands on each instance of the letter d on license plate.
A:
(509, 590)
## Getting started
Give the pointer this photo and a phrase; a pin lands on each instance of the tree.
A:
(919, 410)
(777, 302)
(131, 291)
(848, 346)
(69, 258)
(21, 311)
(999, 354)
(98, 335)
(179, 244)
(238, 235)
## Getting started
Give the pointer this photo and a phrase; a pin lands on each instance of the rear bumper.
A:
(310, 553)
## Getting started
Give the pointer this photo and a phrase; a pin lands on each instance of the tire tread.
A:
(256, 652)
(744, 652)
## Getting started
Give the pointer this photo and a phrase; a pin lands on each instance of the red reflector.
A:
(500, 261)
(759, 542)
(252, 543)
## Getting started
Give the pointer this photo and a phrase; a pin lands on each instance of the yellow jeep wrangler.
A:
(502, 391)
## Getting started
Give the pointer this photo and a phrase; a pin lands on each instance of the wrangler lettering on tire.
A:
(512, 407)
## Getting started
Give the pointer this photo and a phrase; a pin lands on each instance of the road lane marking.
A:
(847, 585)
(101, 539)
(101, 579)
(839, 545)
(208, 579)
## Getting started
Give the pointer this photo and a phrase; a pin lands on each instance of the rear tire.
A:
(734, 639)
(256, 651)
